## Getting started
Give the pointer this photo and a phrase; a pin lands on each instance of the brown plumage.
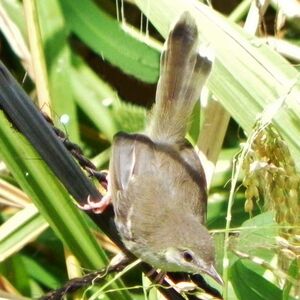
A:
(157, 182)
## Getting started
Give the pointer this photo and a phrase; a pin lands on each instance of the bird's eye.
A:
(187, 256)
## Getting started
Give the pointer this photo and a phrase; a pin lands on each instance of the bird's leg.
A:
(158, 276)
(98, 207)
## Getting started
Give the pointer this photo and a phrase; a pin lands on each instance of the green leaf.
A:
(247, 75)
(36, 271)
(103, 34)
(194, 129)
(100, 102)
(129, 117)
(49, 196)
(19, 230)
(249, 285)
(257, 237)
(91, 93)
(294, 272)
(13, 269)
(216, 212)
(257, 233)
(57, 53)
(14, 9)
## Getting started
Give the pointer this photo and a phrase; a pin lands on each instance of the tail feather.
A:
(183, 74)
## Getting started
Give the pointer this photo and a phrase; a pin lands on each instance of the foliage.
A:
(101, 71)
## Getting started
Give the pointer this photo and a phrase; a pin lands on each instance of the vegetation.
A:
(98, 62)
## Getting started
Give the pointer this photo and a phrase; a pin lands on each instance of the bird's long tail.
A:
(184, 71)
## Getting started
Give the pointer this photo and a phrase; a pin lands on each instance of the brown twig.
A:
(91, 278)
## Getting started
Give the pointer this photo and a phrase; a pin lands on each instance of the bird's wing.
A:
(155, 177)
(132, 155)
(190, 157)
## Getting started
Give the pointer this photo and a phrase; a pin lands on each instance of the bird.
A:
(156, 180)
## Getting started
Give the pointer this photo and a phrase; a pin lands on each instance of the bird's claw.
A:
(96, 207)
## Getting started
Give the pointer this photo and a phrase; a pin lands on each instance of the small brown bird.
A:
(157, 183)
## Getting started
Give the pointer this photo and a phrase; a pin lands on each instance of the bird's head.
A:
(186, 247)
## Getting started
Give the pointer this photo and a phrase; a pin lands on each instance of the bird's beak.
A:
(212, 272)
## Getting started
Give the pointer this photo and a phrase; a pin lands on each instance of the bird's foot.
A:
(97, 207)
